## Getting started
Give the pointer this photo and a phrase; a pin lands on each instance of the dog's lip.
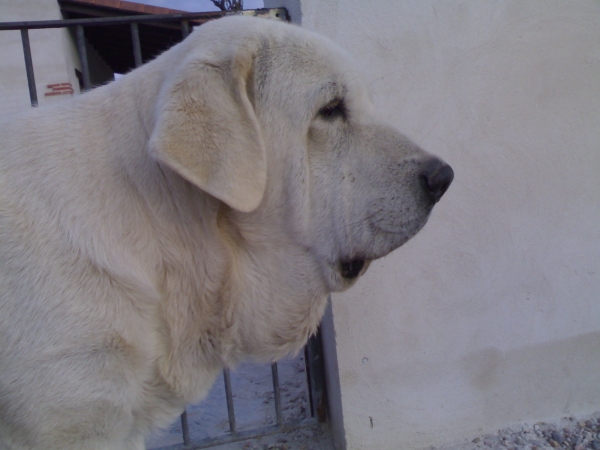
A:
(352, 268)
(401, 234)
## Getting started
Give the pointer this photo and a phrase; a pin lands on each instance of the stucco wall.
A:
(52, 54)
(491, 315)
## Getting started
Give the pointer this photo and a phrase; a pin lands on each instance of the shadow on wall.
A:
(528, 372)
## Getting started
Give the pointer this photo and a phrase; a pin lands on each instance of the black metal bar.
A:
(185, 428)
(311, 401)
(29, 67)
(185, 28)
(277, 393)
(85, 69)
(137, 48)
(111, 20)
(315, 369)
(229, 395)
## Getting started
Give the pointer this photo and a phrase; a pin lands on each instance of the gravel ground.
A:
(568, 433)
(316, 438)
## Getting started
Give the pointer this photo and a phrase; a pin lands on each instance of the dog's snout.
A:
(436, 178)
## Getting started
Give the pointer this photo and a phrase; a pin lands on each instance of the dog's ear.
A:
(207, 130)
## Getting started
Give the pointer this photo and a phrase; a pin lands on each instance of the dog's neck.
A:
(274, 285)
(210, 312)
(250, 299)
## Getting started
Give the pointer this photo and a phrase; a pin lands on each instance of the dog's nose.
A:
(437, 177)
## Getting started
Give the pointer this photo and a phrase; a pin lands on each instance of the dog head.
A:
(276, 122)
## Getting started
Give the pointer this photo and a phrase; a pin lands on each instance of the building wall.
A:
(491, 315)
(51, 53)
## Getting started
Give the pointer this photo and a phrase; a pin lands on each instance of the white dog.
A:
(194, 213)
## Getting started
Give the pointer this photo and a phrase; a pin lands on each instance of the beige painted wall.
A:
(491, 315)
(52, 53)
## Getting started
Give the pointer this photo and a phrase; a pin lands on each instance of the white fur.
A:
(189, 215)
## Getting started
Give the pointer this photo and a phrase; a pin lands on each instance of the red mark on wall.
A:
(59, 89)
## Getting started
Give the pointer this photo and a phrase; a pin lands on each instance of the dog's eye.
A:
(333, 110)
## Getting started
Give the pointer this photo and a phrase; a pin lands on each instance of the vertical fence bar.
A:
(87, 85)
(277, 393)
(29, 66)
(185, 428)
(315, 369)
(229, 395)
(311, 400)
(137, 48)
(185, 28)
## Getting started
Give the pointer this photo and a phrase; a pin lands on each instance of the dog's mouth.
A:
(351, 269)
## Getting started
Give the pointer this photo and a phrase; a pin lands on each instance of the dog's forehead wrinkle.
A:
(308, 59)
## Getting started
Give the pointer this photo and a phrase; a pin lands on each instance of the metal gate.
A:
(186, 22)
(313, 350)
(313, 357)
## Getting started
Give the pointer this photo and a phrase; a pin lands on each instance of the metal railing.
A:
(313, 352)
(315, 378)
(78, 24)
